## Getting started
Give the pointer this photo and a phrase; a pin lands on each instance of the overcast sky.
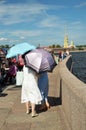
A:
(43, 22)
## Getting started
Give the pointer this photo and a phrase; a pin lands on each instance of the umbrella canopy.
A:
(19, 49)
(40, 60)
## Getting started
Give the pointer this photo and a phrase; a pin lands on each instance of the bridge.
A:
(67, 97)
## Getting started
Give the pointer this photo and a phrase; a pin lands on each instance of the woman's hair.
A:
(23, 56)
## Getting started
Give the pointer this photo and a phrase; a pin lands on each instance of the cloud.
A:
(83, 4)
(8, 41)
(49, 22)
(18, 13)
(3, 39)
(25, 33)
(38, 23)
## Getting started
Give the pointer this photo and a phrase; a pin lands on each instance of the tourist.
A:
(30, 94)
(20, 62)
(43, 84)
(67, 52)
(60, 56)
(3, 74)
(11, 73)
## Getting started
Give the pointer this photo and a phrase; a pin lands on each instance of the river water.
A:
(79, 65)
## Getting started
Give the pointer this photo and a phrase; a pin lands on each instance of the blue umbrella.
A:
(19, 49)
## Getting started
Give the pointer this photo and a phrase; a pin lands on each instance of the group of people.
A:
(35, 86)
(7, 74)
(63, 54)
(34, 90)
(8, 70)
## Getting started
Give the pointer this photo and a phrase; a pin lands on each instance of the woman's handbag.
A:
(19, 78)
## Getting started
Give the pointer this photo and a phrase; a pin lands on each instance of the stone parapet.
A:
(72, 93)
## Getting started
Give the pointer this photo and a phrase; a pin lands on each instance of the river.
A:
(79, 65)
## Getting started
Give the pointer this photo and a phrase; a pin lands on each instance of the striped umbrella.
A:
(40, 60)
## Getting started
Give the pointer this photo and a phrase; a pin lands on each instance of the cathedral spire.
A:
(66, 38)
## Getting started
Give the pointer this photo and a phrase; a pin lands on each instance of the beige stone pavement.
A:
(13, 116)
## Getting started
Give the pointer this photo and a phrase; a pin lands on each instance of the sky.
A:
(42, 22)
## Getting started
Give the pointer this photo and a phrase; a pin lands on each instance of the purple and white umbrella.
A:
(40, 60)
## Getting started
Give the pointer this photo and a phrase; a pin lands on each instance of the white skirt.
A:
(30, 91)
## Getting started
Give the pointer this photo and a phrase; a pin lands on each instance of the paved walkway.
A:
(13, 116)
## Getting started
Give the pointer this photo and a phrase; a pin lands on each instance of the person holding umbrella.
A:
(43, 84)
(41, 61)
(30, 94)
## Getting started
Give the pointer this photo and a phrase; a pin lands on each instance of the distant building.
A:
(66, 41)
(71, 45)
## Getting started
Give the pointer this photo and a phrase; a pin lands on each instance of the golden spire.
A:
(66, 38)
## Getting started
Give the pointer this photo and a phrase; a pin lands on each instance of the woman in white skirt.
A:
(30, 93)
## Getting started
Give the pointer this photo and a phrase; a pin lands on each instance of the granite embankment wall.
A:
(72, 93)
